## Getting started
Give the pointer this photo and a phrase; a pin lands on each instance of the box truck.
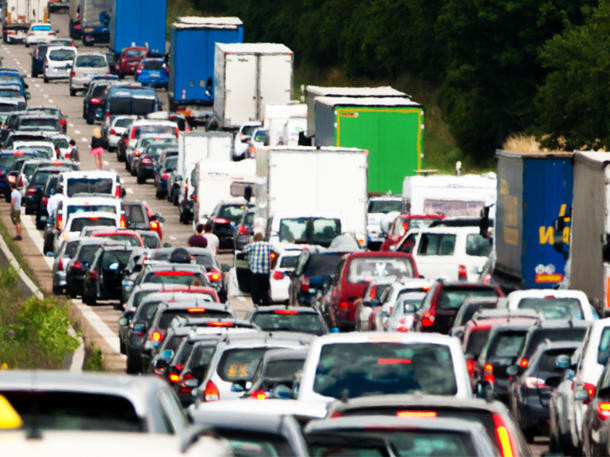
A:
(247, 76)
(534, 193)
(391, 129)
(191, 71)
(285, 123)
(217, 181)
(588, 228)
(311, 92)
(138, 23)
(95, 21)
(18, 15)
(299, 184)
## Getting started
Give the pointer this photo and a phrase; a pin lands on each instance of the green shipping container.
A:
(391, 129)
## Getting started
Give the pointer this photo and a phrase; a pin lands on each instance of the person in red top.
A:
(197, 240)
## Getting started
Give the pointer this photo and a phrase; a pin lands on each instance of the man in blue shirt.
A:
(259, 261)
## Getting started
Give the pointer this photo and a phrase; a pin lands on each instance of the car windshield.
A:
(92, 221)
(91, 61)
(62, 54)
(5, 78)
(384, 206)
(240, 364)
(89, 186)
(364, 269)
(554, 308)
(507, 344)
(372, 368)
(290, 321)
(153, 64)
(71, 209)
(8, 92)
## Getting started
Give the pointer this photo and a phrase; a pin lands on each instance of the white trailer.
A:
(308, 181)
(92, 11)
(18, 15)
(196, 146)
(37, 11)
(217, 181)
(451, 196)
(285, 122)
(246, 77)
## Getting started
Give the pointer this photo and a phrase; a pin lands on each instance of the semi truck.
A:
(247, 76)
(588, 228)
(282, 207)
(191, 80)
(534, 200)
(138, 23)
(391, 129)
(95, 21)
(18, 15)
(311, 92)
(285, 123)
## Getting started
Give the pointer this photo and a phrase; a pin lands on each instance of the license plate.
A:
(155, 74)
(241, 264)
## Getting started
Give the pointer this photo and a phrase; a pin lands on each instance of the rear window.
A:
(240, 364)
(150, 240)
(507, 344)
(50, 410)
(91, 61)
(289, 261)
(90, 208)
(283, 369)
(86, 253)
(124, 122)
(436, 244)
(153, 64)
(111, 257)
(7, 160)
(290, 321)
(232, 213)
(406, 298)
(384, 206)
(256, 444)
(39, 122)
(453, 297)
(477, 245)
(554, 308)
(131, 239)
(135, 53)
(43, 151)
(62, 54)
(170, 163)
(131, 105)
(71, 248)
(476, 341)
(155, 129)
(367, 268)
(603, 350)
(201, 355)
(41, 177)
(559, 334)
(384, 368)
(547, 360)
(10, 92)
(82, 222)
(89, 186)
(179, 277)
(322, 265)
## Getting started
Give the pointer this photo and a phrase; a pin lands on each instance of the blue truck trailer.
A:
(532, 234)
(138, 23)
(191, 75)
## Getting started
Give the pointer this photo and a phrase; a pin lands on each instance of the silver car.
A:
(58, 62)
(87, 65)
(66, 252)
(117, 127)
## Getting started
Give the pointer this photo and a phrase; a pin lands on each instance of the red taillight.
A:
(416, 414)
(488, 373)
(343, 306)
(184, 389)
(77, 265)
(154, 225)
(146, 161)
(220, 220)
(220, 324)
(174, 377)
(214, 276)
(336, 414)
(133, 134)
(95, 101)
(590, 389)
(278, 275)
(93, 275)
(60, 264)
(211, 392)
(62, 122)
(117, 192)
(77, 27)
(112, 132)
(165, 175)
(470, 364)
(523, 362)
(259, 394)
(45, 200)
(287, 312)
(177, 132)
(428, 319)
(305, 284)
(59, 221)
(137, 153)
(462, 272)
(243, 230)
(31, 191)
(156, 336)
(73, 74)
(196, 310)
(123, 222)
(603, 410)
(373, 293)
(20, 181)
(505, 441)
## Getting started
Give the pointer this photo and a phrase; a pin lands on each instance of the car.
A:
(149, 127)
(224, 217)
(66, 252)
(354, 271)
(280, 274)
(93, 100)
(259, 139)
(129, 59)
(102, 280)
(493, 415)
(595, 418)
(12, 76)
(45, 149)
(398, 304)
(443, 301)
(152, 72)
(468, 309)
(148, 162)
(58, 62)
(235, 361)
(243, 135)
(23, 170)
(399, 225)
(150, 238)
(62, 42)
(378, 207)
(11, 93)
(554, 304)
(383, 435)
(38, 56)
(129, 99)
(7, 160)
(287, 319)
(275, 374)
(47, 192)
(36, 121)
(162, 173)
(118, 125)
(451, 253)
(51, 110)
(357, 364)
(243, 231)
(139, 216)
(35, 186)
(368, 305)
(86, 65)
(530, 390)
(39, 33)
(133, 154)
(179, 118)
(119, 234)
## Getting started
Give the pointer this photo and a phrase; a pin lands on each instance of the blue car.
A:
(10, 76)
(152, 72)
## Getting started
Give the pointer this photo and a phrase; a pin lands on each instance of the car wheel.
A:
(27, 45)
(159, 194)
(132, 367)
(89, 120)
(57, 290)
(72, 92)
(46, 80)
(140, 179)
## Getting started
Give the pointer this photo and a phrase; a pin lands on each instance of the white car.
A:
(399, 304)
(553, 304)
(377, 209)
(279, 279)
(86, 66)
(102, 182)
(58, 62)
(244, 133)
(362, 363)
(39, 33)
(46, 149)
(451, 253)
(116, 128)
(77, 221)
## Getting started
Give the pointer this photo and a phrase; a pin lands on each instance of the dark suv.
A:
(224, 218)
(314, 270)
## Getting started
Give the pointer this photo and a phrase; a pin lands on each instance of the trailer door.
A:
(240, 88)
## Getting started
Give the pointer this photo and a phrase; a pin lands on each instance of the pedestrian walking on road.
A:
(213, 241)
(16, 210)
(259, 261)
(97, 147)
(197, 240)
(74, 155)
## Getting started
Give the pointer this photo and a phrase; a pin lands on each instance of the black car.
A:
(79, 265)
(93, 101)
(33, 192)
(224, 218)
(314, 270)
(530, 392)
(102, 280)
(76, 28)
(243, 231)
(38, 56)
(149, 161)
(139, 216)
(288, 319)
(161, 175)
(51, 111)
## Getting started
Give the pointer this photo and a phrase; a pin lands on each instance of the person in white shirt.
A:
(54, 200)
(213, 241)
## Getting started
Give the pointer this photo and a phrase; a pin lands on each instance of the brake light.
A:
(77, 26)
(214, 276)
(196, 310)
(156, 336)
(505, 441)
(278, 275)
(174, 377)
(272, 255)
(590, 389)
(73, 74)
(12, 179)
(603, 410)
(165, 175)
(523, 362)
(59, 221)
(20, 181)
(288, 312)
(62, 122)
(470, 364)
(137, 153)
(45, 200)
(95, 101)
(184, 389)
(112, 132)
(488, 373)
(174, 273)
(211, 392)
(532, 382)
(132, 135)
(31, 191)
(93, 275)
(343, 306)
(77, 265)
(220, 220)
(60, 264)
(428, 319)
(154, 225)
(242, 229)
(373, 291)
(416, 414)
(177, 132)
(146, 161)
(123, 222)
(305, 284)
(462, 272)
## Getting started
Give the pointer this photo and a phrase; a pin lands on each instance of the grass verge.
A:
(94, 361)
(12, 246)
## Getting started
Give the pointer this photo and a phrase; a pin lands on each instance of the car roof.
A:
(268, 338)
(274, 308)
(270, 407)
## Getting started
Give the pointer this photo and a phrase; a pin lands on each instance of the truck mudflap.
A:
(195, 115)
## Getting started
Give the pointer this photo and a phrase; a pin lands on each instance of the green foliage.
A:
(574, 101)
(94, 361)
(33, 332)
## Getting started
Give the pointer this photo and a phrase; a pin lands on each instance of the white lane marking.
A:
(51, 100)
(129, 190)
(105, 162)
(110, 337)
(37, 85)
(77, 132)
(84, 139)
(72, 125)
(113, 170)
(172, 237)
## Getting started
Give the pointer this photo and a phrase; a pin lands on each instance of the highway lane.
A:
(57, 93)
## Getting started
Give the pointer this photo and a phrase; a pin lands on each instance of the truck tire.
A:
(72, 92)
(159, 194)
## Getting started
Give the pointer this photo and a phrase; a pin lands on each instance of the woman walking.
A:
(97, 147)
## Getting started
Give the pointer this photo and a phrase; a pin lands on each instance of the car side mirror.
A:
(158, 217)
(28, 96)
(225, 268)
(139, 327)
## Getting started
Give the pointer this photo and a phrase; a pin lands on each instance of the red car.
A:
(355, 271)
(129, 59)
(401, 226)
